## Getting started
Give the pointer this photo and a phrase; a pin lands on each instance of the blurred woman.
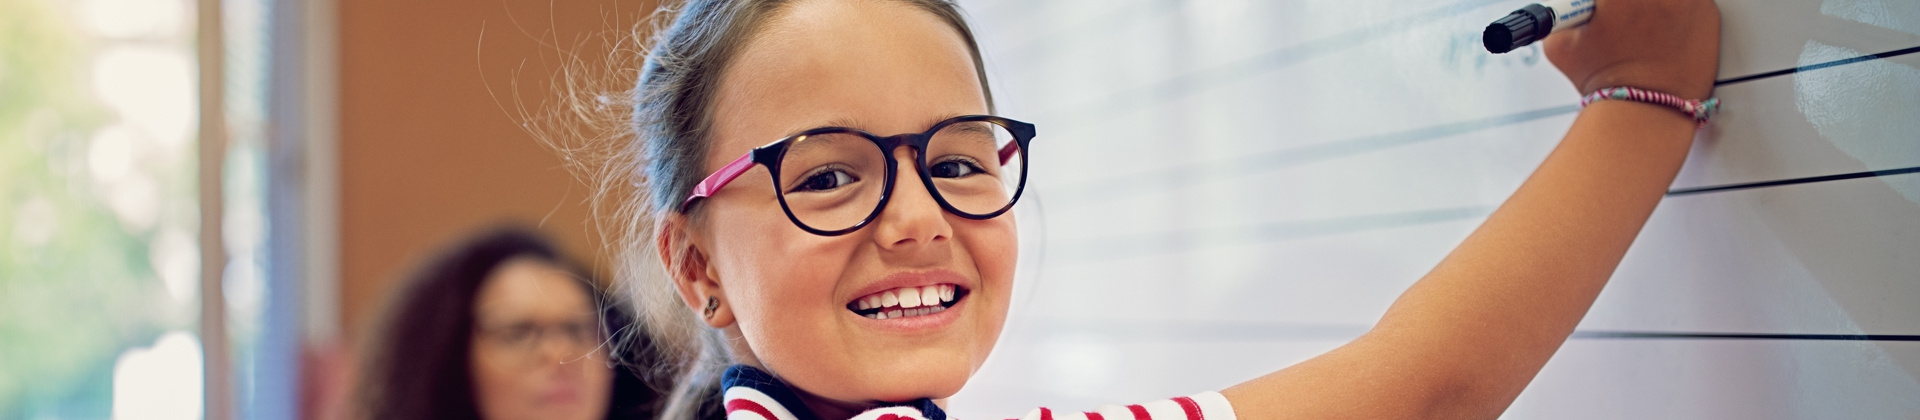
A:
(499, 327)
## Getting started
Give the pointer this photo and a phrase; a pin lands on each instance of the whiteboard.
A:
(1224, 188)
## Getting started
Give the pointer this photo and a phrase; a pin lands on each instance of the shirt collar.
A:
(749, 388)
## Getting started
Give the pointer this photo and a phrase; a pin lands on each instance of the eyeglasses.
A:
(523, 338)
(835, 180)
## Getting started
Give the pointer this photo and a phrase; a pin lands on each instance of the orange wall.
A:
(427, 155)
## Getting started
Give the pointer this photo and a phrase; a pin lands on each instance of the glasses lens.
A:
(976, 166)
(832, 181)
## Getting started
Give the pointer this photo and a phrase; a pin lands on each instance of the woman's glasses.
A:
(835, 180)
(523, 339)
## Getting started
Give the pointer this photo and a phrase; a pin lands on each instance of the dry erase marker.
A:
(1528, 24)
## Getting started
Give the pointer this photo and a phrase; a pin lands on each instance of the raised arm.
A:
(1467, 338)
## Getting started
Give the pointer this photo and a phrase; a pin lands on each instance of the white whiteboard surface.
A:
(1223, 188)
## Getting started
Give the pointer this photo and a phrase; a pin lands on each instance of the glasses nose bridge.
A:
(917, 142)
(550, 340)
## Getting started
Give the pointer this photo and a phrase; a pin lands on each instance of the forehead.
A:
(883, 66)
(525, 287)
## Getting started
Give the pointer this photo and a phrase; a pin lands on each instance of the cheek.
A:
(779, 272)
(491, 381)
(598, 385)
(765, 262)
(995, 249)
(787, 289)
(777, 275)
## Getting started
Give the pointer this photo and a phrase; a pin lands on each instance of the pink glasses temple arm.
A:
(1007, 152)
(719, 179)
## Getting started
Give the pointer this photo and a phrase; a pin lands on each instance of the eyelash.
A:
(972, 164)
(803, 180)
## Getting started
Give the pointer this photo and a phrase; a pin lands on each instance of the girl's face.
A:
(887, 68)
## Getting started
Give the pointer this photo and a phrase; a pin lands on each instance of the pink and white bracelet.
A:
(1699, 110)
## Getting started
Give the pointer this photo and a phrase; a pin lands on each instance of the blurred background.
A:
(205, 203)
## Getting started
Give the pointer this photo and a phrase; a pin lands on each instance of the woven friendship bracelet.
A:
(1699, 110)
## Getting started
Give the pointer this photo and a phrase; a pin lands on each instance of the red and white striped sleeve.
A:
(1202, 406)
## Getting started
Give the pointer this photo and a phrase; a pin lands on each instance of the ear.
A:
(687, 266)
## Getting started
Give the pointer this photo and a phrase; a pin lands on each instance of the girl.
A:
(812, 194)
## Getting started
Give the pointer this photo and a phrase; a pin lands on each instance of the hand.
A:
(1670, 46)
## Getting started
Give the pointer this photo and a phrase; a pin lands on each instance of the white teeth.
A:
(907, 313)
(930, 296)
(910, 297)
(907, 301)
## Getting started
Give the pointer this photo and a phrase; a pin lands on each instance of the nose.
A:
(567, 361)
(558, 348)
(912, 220)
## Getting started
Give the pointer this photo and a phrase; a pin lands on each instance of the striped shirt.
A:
(753, 394)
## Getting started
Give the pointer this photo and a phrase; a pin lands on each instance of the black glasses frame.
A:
(771, 154)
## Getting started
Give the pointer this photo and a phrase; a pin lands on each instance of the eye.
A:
(582, 332)
(519, 334)
(825, 180)
(954, 168)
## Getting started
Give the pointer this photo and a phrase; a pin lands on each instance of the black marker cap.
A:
(1522, 27)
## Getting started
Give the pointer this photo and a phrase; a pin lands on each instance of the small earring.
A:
(713, 304)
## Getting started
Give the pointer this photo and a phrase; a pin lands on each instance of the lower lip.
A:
(913, 324)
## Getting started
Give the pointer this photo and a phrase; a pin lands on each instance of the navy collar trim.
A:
(759, 380)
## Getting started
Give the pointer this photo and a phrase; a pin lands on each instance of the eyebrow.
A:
(850, 122)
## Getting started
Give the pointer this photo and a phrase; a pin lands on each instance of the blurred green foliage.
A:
(76, 288)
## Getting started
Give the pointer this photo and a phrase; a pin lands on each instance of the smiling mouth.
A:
(908, 302)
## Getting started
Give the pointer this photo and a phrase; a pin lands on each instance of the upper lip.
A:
(913, 279)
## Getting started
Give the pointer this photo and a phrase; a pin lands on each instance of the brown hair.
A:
(641, 164)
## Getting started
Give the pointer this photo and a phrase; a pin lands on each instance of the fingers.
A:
(1666, 45)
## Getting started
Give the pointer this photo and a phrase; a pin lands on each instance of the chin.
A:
(935, 385)
(936, 371)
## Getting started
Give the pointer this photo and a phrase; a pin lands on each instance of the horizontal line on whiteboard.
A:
(1791, 181)
(1098, 190)
(1817, 66)
(1103, 189)
(1283, 331)
(1649, 335)
(1108, 248)
(1179, 85)
(1123, 246)
(1051, 43)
